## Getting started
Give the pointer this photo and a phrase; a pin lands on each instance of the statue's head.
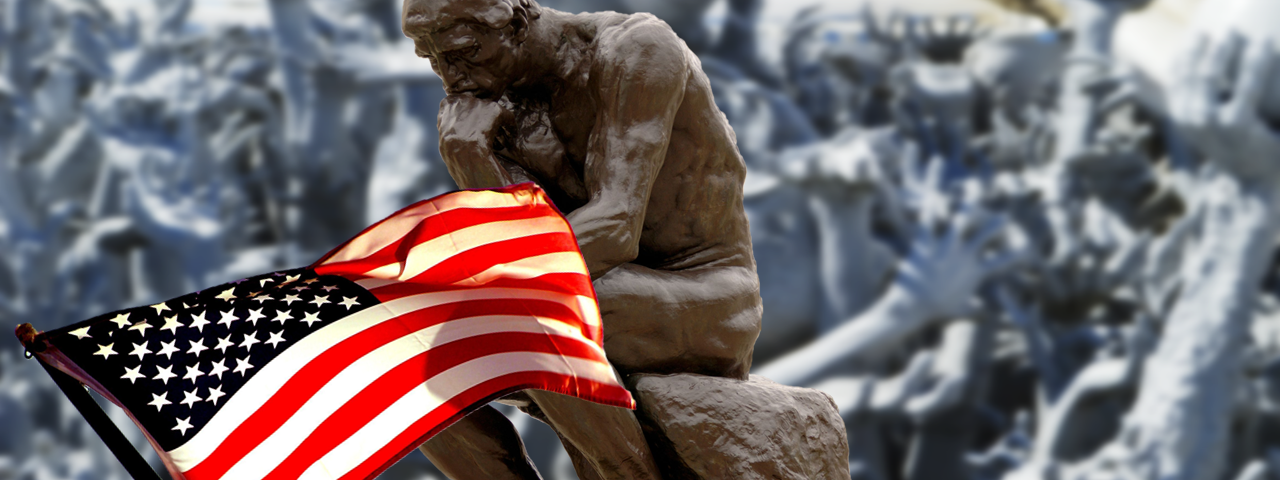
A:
(472, 44)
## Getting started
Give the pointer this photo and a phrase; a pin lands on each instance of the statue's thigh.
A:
(483, 445)
(702, 320)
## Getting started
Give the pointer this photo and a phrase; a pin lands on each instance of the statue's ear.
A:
(520, 24)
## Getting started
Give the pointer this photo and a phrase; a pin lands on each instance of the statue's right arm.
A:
(467, 128)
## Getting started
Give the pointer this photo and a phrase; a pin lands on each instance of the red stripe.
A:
(435, 226)
(470, 262)
(514, 190)
(565, 283)
(310, 378)
(379, 395)
(441, 418)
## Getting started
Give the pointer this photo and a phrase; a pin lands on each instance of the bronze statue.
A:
(612, 115)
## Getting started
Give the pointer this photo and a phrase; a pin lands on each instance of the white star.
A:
(167, 349)
(198, 322)
(282, 315)
(140, 349)
(262, 299)
(161, 307)
(300, 288)
(263, 282)
(214, 394)
(190, 398)
(141, 327)
(163, 374)
(223, 343)
(250, 339)
(105, 350)
(311, 318)
(276, 338)
(329, 288)
(254, 315)
(195, 347)
(172, 324)
(121, 320)
(242, 366)
(290, 298)
(218, 367)
(160, 400)
(348, 302)
(228, 317)
(81, 333)
(186, 307)
(290, 279)
(133, 374)
(184, 424)
(310, 281)
(227, 294)
(193, 372)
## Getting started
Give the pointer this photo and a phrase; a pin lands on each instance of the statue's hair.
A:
(531, 8)
(492, 13)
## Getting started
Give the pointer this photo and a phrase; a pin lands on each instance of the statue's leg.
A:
(702, 320)
(609, 438)
(695, 321)
(482, 445)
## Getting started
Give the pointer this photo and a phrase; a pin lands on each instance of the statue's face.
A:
(468, 56)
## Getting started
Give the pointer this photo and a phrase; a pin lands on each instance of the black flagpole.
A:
(106, 429)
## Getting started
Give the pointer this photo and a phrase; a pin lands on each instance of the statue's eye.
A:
(468, 53)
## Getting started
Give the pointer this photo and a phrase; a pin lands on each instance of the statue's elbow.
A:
(623, 251)
(602, 257)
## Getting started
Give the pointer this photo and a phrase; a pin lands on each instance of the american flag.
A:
(340, 369)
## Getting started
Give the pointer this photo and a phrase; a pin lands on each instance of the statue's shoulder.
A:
(635, 41)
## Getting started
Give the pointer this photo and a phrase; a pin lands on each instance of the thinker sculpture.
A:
(612, 115)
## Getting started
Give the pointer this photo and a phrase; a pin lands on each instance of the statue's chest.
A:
(551, 144)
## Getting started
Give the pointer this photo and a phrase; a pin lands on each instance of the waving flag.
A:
(340, 369)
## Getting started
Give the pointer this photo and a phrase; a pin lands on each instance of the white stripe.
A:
(393, 228)
(431, 252)
(528, 267)
(434, 392)
(372, 283)
(275, 374)
(363, 372)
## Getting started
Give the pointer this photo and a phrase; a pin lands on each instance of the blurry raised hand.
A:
(1214, 96)
(944, 269)
(943, 39)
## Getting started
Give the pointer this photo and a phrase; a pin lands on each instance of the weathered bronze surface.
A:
(613, 116)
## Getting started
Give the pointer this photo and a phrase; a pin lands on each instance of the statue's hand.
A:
(1218, 112)
(468, 123)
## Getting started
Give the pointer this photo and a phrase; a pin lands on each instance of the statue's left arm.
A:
(642, 82)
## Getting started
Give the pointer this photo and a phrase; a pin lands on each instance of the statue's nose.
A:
(456, 82)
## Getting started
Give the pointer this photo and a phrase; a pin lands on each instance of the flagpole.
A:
(92, 413)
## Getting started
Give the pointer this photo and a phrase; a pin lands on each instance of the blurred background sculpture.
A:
(1004, 244)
